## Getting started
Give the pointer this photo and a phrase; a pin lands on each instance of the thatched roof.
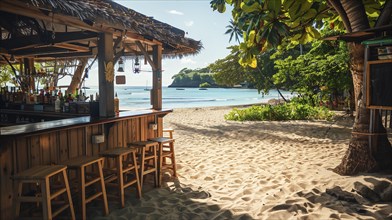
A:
(112, 15)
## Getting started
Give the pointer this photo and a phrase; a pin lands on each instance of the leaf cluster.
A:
(268, 23)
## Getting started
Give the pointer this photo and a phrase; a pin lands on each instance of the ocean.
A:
(138, 97)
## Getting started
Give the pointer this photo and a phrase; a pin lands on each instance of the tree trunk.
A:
(77, 75)
(360, 156)
(367, 152)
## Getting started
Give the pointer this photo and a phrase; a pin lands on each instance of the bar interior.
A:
(43, 124)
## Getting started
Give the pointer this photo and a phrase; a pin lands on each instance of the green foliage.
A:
(228, 72)
(234, 31)
(192, 78)
(269, 23)
(318, 75)
(205, 85)
(287, 111)
(5, 75)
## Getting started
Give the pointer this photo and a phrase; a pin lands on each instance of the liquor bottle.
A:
(66, 106)
(61, 102)
(116, 104)
(57, 104)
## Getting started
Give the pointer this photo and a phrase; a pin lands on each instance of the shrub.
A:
(287, 111)
(205, 85)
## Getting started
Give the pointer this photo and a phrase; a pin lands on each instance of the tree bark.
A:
(76, 78)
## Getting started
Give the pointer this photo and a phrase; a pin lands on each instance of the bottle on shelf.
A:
(57, 104)
(116, 104)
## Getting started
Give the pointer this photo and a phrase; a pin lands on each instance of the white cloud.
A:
(187, 61)
(189, 23)
(175, 12)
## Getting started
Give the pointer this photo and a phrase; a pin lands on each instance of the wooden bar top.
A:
(32, 128)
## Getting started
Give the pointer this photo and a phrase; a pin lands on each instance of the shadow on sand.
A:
(172, 201)
(369, 199)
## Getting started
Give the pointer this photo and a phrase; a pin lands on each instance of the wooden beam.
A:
(40, 51)
(69, 55)
(157, 78)
(106, 75)
(35, 40)
(73, 47)
(147, 56)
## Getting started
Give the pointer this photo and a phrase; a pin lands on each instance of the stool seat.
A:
(125, 163)
(117, 152)
(162, 140)
(81, 161)
(41, 176)
(39, 172)
(142, 143)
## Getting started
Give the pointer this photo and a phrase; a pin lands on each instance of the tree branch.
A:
(342, 13)
(385, 15)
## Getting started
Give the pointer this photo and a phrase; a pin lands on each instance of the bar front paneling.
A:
(53, 145)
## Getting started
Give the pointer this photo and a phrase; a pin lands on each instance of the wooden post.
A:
(29, 68)
(106, 75)
(157, 78)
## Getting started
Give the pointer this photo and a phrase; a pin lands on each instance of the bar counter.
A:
(38, 127)
(51, 142)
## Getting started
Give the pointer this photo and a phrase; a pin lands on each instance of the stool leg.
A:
(17, 193)
(46, 204)
(82, 190)
(104, 197)
(173, 159)
(160, 153)
(156, 181)
(71, 208)
(120, 180)
(141, 171)
(138, 185)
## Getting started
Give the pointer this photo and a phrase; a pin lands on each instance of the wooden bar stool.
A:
(86, 179)
(165, 150)
(125, 160)
(168, 131)
(148, 159)
(43, 176)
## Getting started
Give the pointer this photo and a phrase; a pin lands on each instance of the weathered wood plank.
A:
(63, 145)
(6, 171)
(44, 149)
(35, 151)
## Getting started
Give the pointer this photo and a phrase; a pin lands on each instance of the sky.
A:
(199, 22)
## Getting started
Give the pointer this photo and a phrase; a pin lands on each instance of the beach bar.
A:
(34, 132)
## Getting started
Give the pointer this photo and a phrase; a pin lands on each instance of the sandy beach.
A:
(259, 170)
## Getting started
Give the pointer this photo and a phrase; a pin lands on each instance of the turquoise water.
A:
(136, 97)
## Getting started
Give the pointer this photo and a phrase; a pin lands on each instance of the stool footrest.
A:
(91, 198)
(128, 169)
(92, 181)
(57, 193)
(61, 209)
(130, 183)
